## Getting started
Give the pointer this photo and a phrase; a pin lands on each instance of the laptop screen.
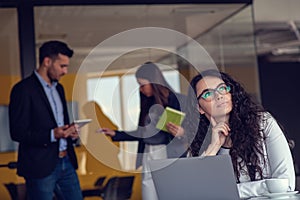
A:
(210, 177)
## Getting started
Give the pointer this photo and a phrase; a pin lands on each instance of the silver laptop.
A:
(207, 178)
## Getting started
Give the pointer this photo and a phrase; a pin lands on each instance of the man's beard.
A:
(53, 80)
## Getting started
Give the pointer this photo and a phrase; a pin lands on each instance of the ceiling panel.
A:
(84, 27)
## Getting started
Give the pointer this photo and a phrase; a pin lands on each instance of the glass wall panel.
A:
(85, 27)
(9, 75)
(130, 101)
(9, 70)
(123, 108)
(110, 41)
(106, 93)
(231, 45)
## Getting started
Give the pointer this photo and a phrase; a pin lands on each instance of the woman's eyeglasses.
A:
(209, 94)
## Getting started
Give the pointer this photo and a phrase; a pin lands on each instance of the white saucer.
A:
(280, 194)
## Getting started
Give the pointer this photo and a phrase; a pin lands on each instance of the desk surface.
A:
(292, 197)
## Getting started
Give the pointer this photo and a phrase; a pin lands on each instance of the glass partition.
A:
(231, 44)
(111, 41)
(9, 70)
(9, 75)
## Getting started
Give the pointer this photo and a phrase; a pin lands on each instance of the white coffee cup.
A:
(277, 185)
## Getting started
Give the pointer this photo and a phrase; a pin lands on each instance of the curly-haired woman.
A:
(238, 126)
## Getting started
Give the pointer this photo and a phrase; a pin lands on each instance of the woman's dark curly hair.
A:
(245, 119)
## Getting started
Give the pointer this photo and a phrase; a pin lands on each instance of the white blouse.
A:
(279, 161)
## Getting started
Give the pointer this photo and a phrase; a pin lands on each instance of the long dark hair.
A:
(245, 120)
(161, 88)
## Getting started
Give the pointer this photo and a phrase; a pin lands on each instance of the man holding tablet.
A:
(39, 122)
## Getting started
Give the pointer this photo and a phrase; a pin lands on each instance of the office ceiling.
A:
(276, 29)
(277, 25)
(86, 27)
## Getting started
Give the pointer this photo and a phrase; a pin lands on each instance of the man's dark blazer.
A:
(31, 120)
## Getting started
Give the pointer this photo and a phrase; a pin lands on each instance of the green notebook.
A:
(170, 115)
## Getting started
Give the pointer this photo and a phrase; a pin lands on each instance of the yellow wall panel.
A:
(68, 82)
(7, 82)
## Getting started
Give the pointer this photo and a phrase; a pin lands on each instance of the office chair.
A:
(99, 181)
(118, 188)
(16, 191)
(96, 191)
(10, 165)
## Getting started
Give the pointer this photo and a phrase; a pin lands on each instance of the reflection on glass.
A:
(106, 93)
(131, 102)
(225, 34)
(95, 24)
(9, 71)
(231, 45)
